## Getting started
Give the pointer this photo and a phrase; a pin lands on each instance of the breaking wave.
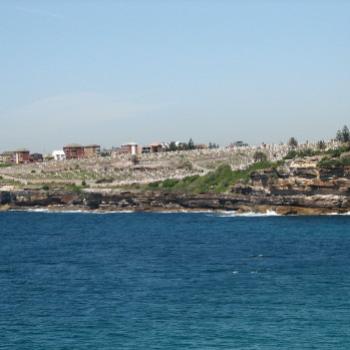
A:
(248, 214)
(216, 213)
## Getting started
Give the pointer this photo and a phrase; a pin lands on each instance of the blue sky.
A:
(109, 72)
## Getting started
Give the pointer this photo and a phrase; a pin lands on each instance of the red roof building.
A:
(73, 151)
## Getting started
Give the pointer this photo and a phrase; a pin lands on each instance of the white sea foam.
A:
(72, 211)
(37, 210)
(216, 213)
(268, 213)
(248, 214)
(336, 214)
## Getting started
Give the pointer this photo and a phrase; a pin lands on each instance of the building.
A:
(21, 156)
(59, 155)
(36, 157)
(117, 151)
(73, 151)
(131, 148)
(104, 152)
(156, 147)
(92, 151)
(146, 149)
(201, 146)
(7, 157)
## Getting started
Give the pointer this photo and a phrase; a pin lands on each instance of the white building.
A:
(58, 155)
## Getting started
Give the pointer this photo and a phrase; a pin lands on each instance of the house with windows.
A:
(73, 151)
(130, 148)
(7, 157)
(92, 151)
(21, 156)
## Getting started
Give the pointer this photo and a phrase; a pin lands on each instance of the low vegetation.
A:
(337, 152)
(217, 181)
(337, 161)
(74, 188)
(308, 152)
(330, 163)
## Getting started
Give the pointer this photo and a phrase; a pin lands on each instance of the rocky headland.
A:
(296, 187)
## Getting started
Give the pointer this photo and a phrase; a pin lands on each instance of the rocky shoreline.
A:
(153, 202)
(301, 188)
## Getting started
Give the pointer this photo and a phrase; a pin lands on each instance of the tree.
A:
(105, 153)
(321, 145)
(172, 146)
(346, 134)
(190, 144)
(240, 144)
(213, 145)
(293, 143)
(260, 156)
(343, 135)
(339, 136)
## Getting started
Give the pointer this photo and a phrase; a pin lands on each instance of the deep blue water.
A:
(173, 281)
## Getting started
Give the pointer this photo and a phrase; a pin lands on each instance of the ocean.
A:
(173, 281)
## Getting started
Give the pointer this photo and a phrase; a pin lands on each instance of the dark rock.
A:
(307, 173)
(5, 197)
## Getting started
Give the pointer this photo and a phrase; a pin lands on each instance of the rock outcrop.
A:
(297, 188)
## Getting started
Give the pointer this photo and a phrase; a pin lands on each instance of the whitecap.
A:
(72, 211)
(248, 214)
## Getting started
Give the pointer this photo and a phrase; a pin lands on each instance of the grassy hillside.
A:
(217, 181)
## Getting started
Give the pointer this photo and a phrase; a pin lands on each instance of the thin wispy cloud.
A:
(164, 73)
(38, 12)
(82, 117)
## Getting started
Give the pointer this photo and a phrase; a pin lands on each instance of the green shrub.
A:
(291, 155)
(308, 152)
(345, 161)
(329, 162)
(169, 183)
(74, 188)
(153, 185)
(217, 181)
(336, 158)
(338, 151)
(260, 156)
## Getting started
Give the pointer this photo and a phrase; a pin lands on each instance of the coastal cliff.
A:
(299, 187)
